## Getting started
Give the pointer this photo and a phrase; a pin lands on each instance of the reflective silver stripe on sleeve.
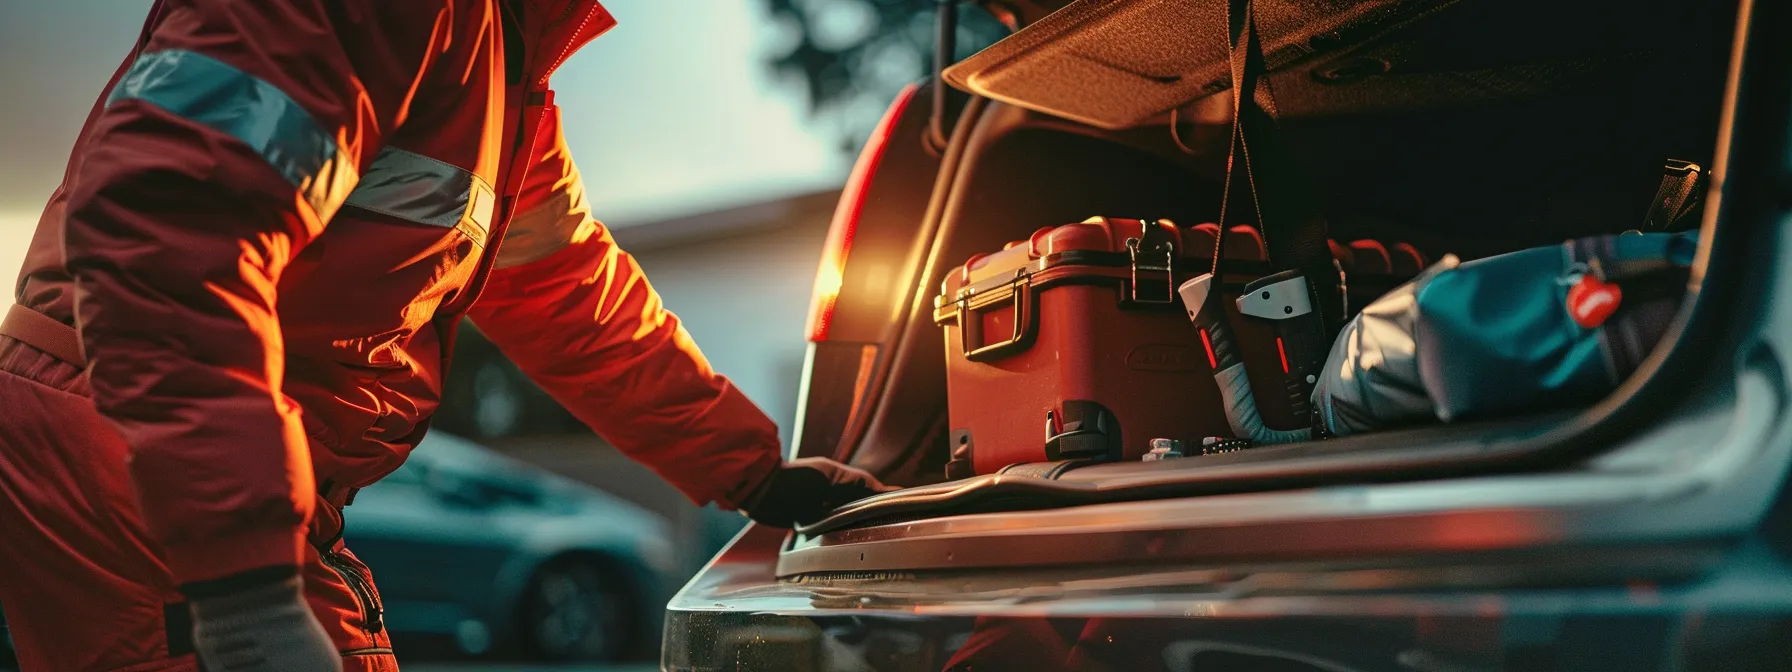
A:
(215, 94)
(416, 188)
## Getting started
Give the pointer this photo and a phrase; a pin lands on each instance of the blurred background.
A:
(713, 144)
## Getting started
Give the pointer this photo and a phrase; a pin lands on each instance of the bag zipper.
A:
(372, 612)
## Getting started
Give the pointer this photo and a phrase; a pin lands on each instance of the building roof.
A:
(814, 208)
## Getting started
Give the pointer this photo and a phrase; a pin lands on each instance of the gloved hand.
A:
(265, 628)
(806, 490)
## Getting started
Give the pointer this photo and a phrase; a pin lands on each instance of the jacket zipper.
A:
(372, 612)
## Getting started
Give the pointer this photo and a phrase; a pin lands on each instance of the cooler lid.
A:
(1097, 241)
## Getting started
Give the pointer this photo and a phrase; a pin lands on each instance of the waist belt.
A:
(44, 333)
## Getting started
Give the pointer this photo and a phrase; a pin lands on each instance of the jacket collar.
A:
(557, 29)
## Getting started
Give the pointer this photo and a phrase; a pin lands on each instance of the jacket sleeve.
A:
(234, 135)
(575, 313)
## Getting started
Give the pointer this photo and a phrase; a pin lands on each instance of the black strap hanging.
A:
(1286, 202)
(945, 49)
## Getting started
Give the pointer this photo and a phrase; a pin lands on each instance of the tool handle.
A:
(1201, 298)
(1286, 300)
(1300, 341)
(1205, 310)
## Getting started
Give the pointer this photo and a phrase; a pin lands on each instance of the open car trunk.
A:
(1470, 127)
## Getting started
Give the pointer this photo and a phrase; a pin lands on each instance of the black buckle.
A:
(1086, 430)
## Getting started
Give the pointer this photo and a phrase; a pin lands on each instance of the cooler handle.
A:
(1021, 291)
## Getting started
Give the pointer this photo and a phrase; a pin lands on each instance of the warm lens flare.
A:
(832, 273)
(827, 293)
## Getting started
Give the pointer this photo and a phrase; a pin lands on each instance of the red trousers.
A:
(83, 587)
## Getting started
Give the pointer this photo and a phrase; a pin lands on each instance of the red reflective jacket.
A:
(278, 213)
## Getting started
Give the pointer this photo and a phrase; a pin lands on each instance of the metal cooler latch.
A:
(1136, 251)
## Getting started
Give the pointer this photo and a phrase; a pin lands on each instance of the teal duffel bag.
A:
(1548, 327)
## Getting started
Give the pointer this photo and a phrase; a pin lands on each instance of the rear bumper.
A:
(1691, 607)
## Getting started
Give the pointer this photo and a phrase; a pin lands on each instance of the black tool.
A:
(1209, 315)
(1286, 301)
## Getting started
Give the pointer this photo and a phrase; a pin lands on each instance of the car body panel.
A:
(1725, 608)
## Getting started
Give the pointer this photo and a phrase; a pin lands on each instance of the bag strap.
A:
(1288, 213)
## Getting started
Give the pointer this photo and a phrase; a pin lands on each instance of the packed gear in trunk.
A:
(1109, 380)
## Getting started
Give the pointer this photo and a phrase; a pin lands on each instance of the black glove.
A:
(806, 490)
(264, 628)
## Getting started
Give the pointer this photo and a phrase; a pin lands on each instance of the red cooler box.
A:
(1073, 345)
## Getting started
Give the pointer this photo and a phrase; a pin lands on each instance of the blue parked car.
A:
(495, 556)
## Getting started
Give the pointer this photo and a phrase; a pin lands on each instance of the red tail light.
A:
(846, 219)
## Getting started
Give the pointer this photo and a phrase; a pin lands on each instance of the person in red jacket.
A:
(272, 223)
